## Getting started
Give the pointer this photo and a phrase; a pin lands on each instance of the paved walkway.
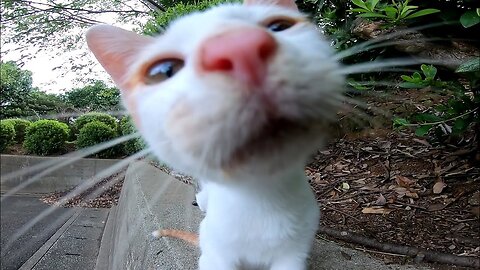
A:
(69, 238)
(16, 211)
(74, 246)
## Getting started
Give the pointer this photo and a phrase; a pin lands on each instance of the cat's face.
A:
(229, 89)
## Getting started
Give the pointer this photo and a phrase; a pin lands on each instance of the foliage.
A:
(96, 96)
(20, 99)
(45, 137)
(470, 18)
(444, 120)
(419, 81)
(134, 145)
(7, 134)
(95, 116)
(176, 10)
(97, 132)
(20, 126)
(15, 87)
(394, 12)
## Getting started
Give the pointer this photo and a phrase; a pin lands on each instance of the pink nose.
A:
(242, 53)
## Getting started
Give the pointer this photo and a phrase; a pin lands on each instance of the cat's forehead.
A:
(226, 16)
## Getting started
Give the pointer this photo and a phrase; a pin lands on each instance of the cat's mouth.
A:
(268, 140)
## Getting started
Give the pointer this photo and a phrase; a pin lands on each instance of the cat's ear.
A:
(284, 3)
(116, 49)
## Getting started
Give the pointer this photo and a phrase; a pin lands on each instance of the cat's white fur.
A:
(260, 210)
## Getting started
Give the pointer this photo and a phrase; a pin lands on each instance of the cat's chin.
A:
(276, 140)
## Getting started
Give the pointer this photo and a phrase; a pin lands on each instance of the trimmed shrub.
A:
(95, 116)
(134, 145)
(46, 137)
(7, 134)
(20, 126)
(97, 132)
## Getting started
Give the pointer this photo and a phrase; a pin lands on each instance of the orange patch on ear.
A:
(116, 50)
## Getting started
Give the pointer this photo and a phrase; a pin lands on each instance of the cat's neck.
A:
(272, 182)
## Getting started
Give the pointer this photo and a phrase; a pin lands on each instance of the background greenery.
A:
(444, 23)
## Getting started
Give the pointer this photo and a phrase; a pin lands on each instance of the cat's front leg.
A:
(210, 262)
(290, 262)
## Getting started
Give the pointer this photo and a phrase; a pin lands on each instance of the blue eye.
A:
(163, 70)
(280, 25)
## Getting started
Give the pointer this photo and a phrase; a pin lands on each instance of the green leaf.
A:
(400, 122)
(459, 126)
(407, 78)
(409, 85)
(422, 12)
(429, 71)
(360, 3)
(360, 10)
(391, 12)
(472, 65)
(469, 19)
(423, 130)
(372, 15)
(417, 76)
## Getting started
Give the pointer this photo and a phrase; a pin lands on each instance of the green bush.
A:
(45, 137)
(20, 126)
(95, 116)
(7, 134)
(134, 145)
(97, 132)
(163, 19)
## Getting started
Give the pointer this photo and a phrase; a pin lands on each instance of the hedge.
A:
(7, 134)
(97, 132)
(20, 126)
(46, 137)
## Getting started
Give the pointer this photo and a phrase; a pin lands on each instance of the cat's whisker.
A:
(78, 190)
(365, 46)
(54, 164)
(382, 65)
(386, 44)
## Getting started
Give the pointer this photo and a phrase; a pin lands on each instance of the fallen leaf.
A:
(374, 210)
(345, 186)
(380, 200)
(436, 207)
(404, 181)
(411, 194)
(438, 187)
(474, 199)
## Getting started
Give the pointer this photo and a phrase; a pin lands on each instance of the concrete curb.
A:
(105, 258)
(61, 179)
(151, 199)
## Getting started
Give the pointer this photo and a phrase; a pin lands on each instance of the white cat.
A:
(238, 96)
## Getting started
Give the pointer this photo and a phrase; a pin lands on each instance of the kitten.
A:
(238, 96)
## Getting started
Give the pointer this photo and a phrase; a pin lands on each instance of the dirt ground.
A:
(386, 185)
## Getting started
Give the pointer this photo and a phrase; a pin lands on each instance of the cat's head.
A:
(233, 89)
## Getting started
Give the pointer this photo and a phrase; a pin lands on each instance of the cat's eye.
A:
(280, 25)
(163, 70)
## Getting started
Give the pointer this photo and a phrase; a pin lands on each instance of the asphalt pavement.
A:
(16, 211)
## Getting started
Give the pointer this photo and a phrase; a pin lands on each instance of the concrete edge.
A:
(106, 244)
(37, 256)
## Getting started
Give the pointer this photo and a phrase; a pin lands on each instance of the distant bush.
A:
(134, 145)
(7, 134)
(163, 19)
(95, 116)
(20, 126)
(97, 132)
(45, 137)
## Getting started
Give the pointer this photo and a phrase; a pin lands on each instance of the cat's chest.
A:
(268, 214)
